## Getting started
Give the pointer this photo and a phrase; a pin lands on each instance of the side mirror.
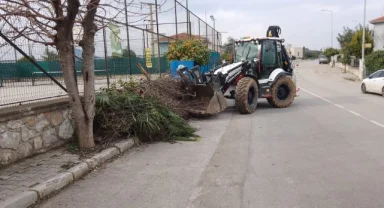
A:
(370, 77)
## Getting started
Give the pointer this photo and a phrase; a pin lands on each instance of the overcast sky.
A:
(302, 21)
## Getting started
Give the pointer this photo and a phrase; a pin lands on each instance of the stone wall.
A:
(33, 129)
(353, 70)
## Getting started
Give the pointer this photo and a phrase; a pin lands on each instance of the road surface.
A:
(326, 150)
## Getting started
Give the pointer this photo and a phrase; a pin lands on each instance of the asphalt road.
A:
(323, 151)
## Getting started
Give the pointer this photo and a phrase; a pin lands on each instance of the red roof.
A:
(378, 20)
(180, 36)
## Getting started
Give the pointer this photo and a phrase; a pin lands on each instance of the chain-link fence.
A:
(119, 50)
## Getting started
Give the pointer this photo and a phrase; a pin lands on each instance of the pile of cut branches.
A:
(150, 109)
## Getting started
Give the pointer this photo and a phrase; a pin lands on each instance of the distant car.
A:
(323, 60)
(374, 83)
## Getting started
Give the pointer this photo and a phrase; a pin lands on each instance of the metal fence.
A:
(21, 82)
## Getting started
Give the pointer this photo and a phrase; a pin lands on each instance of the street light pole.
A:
(214, 30)
(214, 37)
(325, 10)
(363, 43)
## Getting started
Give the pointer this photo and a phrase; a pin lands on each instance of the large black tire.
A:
(283, 92)
(382, 92)
(363, 88)
(247, 93)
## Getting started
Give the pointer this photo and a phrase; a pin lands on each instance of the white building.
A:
(298, 52)
(378, 33)
(288, 48)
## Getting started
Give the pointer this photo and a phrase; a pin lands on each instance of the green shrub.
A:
(374, 61)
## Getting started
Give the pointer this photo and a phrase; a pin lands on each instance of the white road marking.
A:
(328, 101)
(339, 106)
(356, 114)
(342, 107)
(377, 123)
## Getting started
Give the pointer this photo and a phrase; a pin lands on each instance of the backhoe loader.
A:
(262, 68)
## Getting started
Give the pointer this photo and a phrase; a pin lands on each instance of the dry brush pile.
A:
(149, 109)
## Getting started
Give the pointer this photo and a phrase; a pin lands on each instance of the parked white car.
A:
(374, 83)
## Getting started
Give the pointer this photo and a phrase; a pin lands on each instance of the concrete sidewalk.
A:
(24, 183)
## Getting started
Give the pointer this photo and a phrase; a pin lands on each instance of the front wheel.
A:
(363, 88)
(283, 93)
(382, 91)
(247, 93)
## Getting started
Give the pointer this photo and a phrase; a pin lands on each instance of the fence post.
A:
(143, 43)
(206, 33)
(15, 55)
(128, 46)
(158, 38)
(199, 29)
(176, 19)
(105, 56)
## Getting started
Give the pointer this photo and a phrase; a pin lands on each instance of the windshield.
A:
(247, 51)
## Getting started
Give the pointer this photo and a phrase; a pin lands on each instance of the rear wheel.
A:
(247, 93)
(363, 88)
(382, 91)
(283, 93)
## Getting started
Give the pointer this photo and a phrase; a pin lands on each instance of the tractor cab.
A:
(265, 55)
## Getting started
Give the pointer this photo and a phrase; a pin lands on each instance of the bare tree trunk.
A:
(89, 88)
(82, 111)
(88, 45)
(84, 121)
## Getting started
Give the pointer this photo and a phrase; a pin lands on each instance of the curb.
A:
(61, 180)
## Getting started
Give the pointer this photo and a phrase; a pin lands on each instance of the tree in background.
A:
(345, 37)
(124, 54)
(50, 55)
(350, 42)
(228, 50)
(311, 54)
(355, 44)
(23, 59)
(191, 49)
(329, 52)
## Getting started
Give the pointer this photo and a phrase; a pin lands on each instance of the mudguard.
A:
(276, 74)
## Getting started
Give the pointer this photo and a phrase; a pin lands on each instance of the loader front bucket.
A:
(212, 101)
(208, 99)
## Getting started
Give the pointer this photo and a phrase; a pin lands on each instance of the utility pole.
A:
(146, 30)
(151, 23)
(128, 46)
(363, 72)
